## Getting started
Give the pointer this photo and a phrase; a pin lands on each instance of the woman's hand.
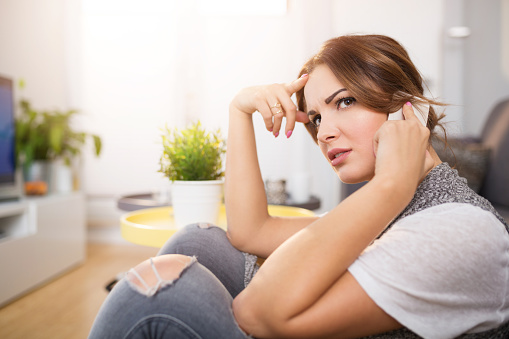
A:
(273, 102)
(401, 149)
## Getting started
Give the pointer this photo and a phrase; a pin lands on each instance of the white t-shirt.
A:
(440, 272)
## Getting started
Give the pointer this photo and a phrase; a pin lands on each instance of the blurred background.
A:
(132, 67)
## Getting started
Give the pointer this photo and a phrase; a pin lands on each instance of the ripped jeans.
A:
(188, 295)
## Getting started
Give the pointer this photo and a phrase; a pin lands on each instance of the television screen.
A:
(7, 135)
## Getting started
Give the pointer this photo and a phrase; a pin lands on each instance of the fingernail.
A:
(276, 134)
(303, 75)
(270, 130)
(408, 103)
(289, 134)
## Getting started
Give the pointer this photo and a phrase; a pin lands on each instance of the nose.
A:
(327, 132)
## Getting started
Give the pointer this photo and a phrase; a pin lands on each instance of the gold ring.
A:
(280, 111)
(276, 105)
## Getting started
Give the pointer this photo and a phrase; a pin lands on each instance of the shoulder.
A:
(443, 185)
(460, 221)
(450, 260)
(449, 229)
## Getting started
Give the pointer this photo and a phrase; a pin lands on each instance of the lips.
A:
(338, 155)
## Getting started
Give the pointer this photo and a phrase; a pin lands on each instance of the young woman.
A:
(413, 253)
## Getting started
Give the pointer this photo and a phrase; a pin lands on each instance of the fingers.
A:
(408, 112)
(291, 112)
(283, 107)
(297, 85)
(403, 142)
(277, 103)
(266, 111)
(302, 117)
(410, 115)
(277, 117)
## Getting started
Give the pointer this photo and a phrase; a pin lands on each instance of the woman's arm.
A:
(303, 288)
(250, 228)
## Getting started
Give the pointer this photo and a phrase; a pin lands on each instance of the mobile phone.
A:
(421, 111)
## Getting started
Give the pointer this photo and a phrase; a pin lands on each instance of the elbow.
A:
(244, 237)
(244, 240)
(244, 315)
(237, 240)
(249, 318)
(258, 321)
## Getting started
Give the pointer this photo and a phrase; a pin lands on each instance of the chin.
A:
(348, 177)
(353, 181)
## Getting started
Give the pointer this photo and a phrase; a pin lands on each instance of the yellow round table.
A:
(153, 226)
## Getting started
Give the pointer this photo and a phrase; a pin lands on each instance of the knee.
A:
(193, 236)
(155, 273)
(199, 227)
(198, 230)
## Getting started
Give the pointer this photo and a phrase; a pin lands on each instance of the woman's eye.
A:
(316, 120)
(345, 102)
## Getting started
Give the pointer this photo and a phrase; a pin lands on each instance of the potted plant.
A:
(192, 159)
(45, 143)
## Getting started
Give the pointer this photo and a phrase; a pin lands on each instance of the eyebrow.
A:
(328, 100)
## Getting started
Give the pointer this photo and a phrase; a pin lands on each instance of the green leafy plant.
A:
(48, 135)
(192, 153)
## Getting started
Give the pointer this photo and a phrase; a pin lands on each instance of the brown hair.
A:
(376, 70)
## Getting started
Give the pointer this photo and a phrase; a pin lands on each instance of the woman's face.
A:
(345, 128)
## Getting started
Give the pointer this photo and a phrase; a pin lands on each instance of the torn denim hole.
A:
(152, 290)
(204, 225)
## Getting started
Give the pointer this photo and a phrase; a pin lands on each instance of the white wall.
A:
(417, 25)
(475, 76)
(172, 65)
(33, 48)
(485, 81)
(139, 74)
(128, 58)
(133, 66)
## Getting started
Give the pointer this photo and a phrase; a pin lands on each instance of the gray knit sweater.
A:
(442, 185)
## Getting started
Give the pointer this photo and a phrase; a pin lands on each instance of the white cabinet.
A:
(39, 239)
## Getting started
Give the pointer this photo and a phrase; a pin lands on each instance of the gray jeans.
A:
(198, 303)
(195, 305)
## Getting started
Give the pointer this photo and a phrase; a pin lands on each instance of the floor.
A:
(66, 307)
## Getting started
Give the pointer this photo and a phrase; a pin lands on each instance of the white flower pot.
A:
(62, 180)
(196, 201)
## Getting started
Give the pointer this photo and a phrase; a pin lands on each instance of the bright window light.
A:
(242, 7)
(123, 7)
